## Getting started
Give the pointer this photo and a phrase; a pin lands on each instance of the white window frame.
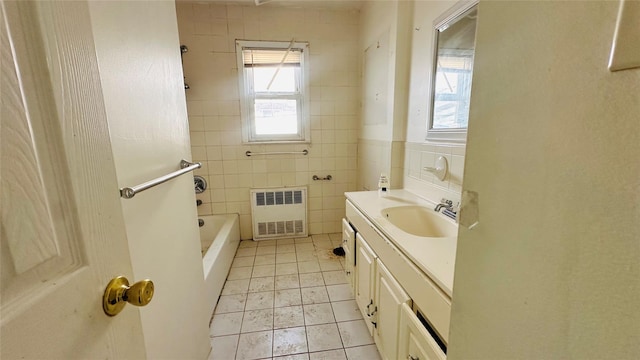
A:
(456, 135)
(248, 97)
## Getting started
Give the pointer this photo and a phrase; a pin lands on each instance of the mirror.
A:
(454, 45)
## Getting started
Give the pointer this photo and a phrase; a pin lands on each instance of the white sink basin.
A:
(419, 221)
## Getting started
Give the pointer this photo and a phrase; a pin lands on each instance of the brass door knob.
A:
(118, 293)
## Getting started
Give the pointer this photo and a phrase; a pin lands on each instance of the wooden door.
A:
(138, 53)
(388, 300)
(63, 235)
(365, 267)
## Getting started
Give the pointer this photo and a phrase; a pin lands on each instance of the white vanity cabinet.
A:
(388, 285)
(380, 299)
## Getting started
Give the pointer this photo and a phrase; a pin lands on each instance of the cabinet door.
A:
(415, 341)
(348, 244)
(388, 301)
(365, 267)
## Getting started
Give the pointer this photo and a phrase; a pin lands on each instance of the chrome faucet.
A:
(448, 211)
(447, 204)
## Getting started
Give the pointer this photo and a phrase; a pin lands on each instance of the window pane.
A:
(450, 114)
(452, 91)
(276, 117)
(454, 68)
(285, 80)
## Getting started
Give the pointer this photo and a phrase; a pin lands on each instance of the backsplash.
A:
(419, 155)
(213, 102)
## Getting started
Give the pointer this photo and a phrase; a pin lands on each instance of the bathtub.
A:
(220, 237)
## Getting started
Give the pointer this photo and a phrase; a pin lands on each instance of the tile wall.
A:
(418, 156)
(376, 157)
(404, 162)
(210, 31)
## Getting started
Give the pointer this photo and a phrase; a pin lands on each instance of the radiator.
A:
(279, 213)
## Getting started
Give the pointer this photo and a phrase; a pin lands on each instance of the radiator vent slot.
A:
(260, 201)
(279, 213)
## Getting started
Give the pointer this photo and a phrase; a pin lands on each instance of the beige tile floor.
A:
(289, 299)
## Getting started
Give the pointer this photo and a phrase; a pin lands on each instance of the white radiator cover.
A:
(279, 213)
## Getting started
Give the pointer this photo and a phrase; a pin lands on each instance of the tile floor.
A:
(289, 299)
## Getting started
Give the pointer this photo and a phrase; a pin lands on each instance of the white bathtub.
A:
(220, 237)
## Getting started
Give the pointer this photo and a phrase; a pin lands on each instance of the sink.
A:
(419, 221)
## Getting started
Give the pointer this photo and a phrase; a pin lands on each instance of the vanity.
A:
(399, 259)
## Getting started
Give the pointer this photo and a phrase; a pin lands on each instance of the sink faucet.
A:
(447, 204)
(448, 211)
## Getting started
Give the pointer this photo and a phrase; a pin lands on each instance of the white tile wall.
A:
(404, 161)
(397, 164)
(213, 106)
(417, 156)
(373, 159)
(376, 157)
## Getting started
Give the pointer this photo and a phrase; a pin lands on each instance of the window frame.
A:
(453, 135)
(248, 96)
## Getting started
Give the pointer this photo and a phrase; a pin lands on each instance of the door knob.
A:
(118, 293)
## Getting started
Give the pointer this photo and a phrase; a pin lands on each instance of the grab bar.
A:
(316, 177)
(185, 167)
(303, 152)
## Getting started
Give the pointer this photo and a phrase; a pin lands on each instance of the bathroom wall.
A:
(396, 144)
(146, 113)
(419, 153)
(213, 105)
(551, 271)
(384, 48)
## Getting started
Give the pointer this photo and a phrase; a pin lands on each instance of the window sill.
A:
(448, 136)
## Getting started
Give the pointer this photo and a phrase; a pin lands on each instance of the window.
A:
(273, 90)
(454, 47)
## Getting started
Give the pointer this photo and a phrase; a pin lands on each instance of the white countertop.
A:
(434, 256)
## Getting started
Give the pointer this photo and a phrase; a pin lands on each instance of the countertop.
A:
(434, 256)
